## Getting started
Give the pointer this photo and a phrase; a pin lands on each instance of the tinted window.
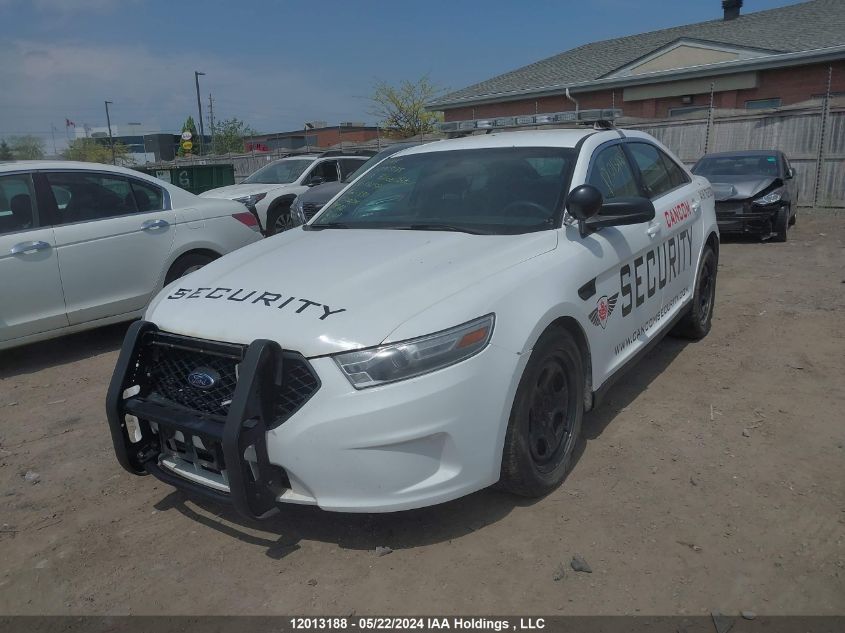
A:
(348, 166)
(280, 172)
(147, 197)
(655, 176)
(676, 173)
(17, 200)
(84, 196)
(612, 175)
(326, 170)
(497, 190)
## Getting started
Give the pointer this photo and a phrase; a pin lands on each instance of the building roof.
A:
(796, 28)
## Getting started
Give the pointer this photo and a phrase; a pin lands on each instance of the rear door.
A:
(113, 235)
(349, 166)
(627, 293)
(31, 299)
(677, 210)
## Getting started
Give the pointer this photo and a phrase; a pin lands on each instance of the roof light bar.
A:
(583, 117)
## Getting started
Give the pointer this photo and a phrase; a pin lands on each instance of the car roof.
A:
(750, 152)
(66, 164)
(526, 138)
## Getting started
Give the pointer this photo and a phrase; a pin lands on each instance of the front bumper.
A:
(744, 217)
(414, 443)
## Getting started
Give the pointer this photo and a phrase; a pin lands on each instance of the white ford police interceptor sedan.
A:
(464, 303)
(84, 245)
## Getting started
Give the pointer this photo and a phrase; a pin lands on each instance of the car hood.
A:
(739, 187)
(321, 194)
(236, 191)
(321, 292)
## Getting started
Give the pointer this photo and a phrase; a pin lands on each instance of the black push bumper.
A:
(253, 485)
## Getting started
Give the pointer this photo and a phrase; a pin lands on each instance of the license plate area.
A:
(194, 457)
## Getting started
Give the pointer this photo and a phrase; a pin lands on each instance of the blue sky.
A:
(279, 63)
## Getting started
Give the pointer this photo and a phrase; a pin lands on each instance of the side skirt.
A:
(600, 394)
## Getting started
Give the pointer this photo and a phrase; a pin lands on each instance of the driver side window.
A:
(611, 174)
(327, 171)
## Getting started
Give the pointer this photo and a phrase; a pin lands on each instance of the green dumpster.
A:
(195, 178)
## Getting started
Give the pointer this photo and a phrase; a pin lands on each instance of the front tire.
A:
(697, 321)
(545, 421)
(782, 224)
(279, 219)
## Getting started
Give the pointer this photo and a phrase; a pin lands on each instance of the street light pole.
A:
(199, 108)
(111, 139)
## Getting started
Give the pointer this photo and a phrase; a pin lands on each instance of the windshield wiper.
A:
(325, 225)
(440, 227)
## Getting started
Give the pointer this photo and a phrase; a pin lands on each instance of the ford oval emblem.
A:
(203, 378)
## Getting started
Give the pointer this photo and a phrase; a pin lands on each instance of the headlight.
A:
(297, 213)
(251, 200)
(406, 359)
(769, 198)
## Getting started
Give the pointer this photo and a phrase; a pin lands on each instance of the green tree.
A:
(191, 127)
(401, 109)
(91, 150)
(27, 147)
(5, 151)
(229, 136)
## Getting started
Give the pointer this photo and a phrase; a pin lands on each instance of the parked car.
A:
(271, 190)
(472, 298)
(83, 244)
(756, 191)
(309, 203)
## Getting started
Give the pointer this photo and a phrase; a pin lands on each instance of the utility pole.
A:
(199, 108)
(111, 138)
(211, 118)
(53, 134)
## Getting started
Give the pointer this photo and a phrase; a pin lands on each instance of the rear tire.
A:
(545, 421)
(782, 224)
(697, 321)
(185, 265)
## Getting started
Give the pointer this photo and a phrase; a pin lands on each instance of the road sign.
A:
(186, 136)
(186, 145)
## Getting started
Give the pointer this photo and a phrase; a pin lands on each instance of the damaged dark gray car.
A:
(756, 192)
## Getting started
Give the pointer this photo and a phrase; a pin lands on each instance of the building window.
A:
(760, 104)
(687, 110)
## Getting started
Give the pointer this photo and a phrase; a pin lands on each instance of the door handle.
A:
(24, 248)
(653, 229)
(155, 225)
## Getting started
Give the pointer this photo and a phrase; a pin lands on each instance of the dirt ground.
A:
(712, 478)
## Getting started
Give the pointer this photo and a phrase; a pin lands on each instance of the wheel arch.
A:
(206, 252)
(573, 327)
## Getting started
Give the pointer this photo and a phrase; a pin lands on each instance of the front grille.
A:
(168, 360)
(310, 209)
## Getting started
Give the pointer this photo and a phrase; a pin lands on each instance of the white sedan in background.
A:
(84, 244)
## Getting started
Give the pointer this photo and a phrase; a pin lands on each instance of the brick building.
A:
(758, 60)
(316, 136)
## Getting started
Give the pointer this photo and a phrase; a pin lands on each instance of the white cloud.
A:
(46, 82)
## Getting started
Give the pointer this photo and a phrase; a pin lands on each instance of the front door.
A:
(31, 299)
(627, 292)
(113, 237)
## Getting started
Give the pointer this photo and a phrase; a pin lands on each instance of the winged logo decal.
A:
(604, 308)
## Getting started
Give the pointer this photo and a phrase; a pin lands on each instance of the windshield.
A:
(490, 190)
(279, 173)
(758, 165)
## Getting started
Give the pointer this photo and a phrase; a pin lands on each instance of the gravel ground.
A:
(712, 478)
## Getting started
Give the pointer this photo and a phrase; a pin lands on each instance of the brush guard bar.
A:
(250, 414)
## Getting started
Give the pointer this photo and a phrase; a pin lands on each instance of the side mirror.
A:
(584, 202)
(622, 211)
(316, 180)
(791, 172)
